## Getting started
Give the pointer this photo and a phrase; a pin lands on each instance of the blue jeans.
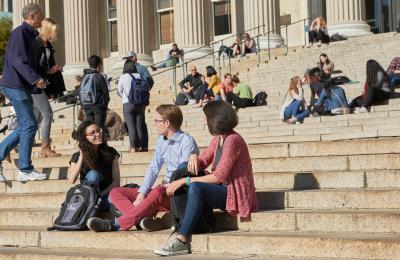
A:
(293, 110)
(199, 195)
(24, 135)
(394, 80)
(93, 178)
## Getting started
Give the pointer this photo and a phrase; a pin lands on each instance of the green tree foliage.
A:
(5, 30)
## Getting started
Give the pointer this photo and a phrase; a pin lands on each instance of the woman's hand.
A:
(139, 199)
(174, 186)
(193, 165)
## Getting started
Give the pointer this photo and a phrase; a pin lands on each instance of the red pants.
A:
(123, 198)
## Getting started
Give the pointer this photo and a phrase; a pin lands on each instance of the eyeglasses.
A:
(156, 121)
(96, 131)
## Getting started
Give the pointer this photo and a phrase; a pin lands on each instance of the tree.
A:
(5, 30)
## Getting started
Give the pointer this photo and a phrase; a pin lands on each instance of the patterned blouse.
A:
(234, 170)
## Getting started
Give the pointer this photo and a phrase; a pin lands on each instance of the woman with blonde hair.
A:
(293, 108)
(318, 32)
(48, 70)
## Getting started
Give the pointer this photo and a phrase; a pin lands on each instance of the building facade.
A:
(111, 28)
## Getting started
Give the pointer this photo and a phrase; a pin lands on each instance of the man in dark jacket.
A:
(194, 80)
(97, 112)
(20, 75)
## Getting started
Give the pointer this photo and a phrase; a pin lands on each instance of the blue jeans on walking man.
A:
(24, 135)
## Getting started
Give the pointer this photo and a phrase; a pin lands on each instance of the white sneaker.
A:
(356, 110)
(363, 110)
(31, 176)
(192, 101)
(2, 178)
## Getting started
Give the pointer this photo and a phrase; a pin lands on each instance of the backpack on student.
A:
(81, 203)
(181, 100)
(206, 222)
(260, 99)
(88, 90)
(139, 94)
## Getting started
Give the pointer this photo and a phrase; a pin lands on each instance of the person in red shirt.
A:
(226, 86)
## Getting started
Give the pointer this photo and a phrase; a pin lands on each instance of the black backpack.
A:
(206, 222)
(139, 94)
(82, 202)
(181, 100)
(260, 99)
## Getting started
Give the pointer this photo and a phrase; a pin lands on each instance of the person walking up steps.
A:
(20, 76)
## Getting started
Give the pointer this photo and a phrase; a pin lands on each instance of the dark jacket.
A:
(194, 81)
(21, 69)
(103, 95)
(56, 84)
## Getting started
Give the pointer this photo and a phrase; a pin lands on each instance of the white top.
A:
(289, 99)
(124, 86)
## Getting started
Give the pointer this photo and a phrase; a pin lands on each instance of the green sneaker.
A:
(175, 247)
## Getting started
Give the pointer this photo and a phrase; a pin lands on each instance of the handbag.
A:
(340, 111)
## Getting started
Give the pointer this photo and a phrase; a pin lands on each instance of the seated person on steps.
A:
(332, 100)
(241, 96)
(95, 163)
(377, 88)
(136, 206)
(293, 108)
(229, 186)
(393, 72)
(194, 80)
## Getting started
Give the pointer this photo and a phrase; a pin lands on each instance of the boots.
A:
(46, 150)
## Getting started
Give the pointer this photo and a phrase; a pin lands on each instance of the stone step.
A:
(272, 199)
(282, 244)
(367, 221)
(96, 254)
(281, 180)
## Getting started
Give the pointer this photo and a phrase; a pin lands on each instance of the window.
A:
(10, 7)
(165, 10)
(112, 24)
(222, 17)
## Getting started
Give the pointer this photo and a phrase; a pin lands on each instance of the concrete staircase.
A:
(328, 188)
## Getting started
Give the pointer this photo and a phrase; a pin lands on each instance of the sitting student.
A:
(249, 45)
(137, 205)
(313, 79)
(236, 47)
(332, 100)
(293, 110)
(96, 163)
(203, 93)
(226, 86)
(229, 186)
(194, 80)
(318, 32)
(172, 59)
(215, 82)
(377, 88)
(393, 72)
(325, 66)
(241, 96)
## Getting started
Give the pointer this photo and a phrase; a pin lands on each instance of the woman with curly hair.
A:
(95, 163)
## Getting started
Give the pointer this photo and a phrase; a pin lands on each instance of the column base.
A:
(113, 65)
(275, 41)
(350, 28)
(69, 73)
(197, 53)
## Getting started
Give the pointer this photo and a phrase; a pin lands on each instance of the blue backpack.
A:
(88, 90)
(139, 94)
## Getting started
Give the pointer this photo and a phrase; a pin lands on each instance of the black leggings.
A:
(373, 95)
(316, 36)
(136, 123)
(238, 101)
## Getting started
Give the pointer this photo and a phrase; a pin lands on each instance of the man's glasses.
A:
(156, 121)
(96, 131)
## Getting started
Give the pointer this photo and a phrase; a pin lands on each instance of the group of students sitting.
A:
(197, 91)
(229, 185)
(328, 98)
